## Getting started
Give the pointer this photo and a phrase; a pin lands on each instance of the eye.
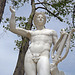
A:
(38, 17)
(43, 17)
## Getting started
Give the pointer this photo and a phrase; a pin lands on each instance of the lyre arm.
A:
(67, 45)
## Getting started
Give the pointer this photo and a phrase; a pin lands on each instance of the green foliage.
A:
(19, 3)
(20, 22)
(72, 43)
(6, 24)
(60, 8)
(18, 44)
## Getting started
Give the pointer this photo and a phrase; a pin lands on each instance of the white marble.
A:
(54, 70)
(38, 53)
(65, 38)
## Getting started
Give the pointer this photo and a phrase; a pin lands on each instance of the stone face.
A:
(37, 56)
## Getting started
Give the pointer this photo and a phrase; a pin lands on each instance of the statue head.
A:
(39, 19)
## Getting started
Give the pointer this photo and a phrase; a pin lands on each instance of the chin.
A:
(40, 23)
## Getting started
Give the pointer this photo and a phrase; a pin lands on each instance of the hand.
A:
(12, 10)
(73, 29)
(62, 32)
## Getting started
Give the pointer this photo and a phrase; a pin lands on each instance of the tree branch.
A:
(43, 3)
(2, 6)
(50, 12)
(19, 70)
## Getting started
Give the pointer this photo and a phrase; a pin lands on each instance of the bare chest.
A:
(41, 36)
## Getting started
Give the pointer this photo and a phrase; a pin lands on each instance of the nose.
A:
(40, 19)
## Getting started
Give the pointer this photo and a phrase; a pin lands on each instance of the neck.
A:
(40, 27)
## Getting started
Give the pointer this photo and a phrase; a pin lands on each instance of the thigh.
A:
(43, 66)
(29, 65)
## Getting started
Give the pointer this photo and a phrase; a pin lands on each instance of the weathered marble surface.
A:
(38, 53)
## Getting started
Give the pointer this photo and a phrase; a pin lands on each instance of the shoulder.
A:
(54, 33)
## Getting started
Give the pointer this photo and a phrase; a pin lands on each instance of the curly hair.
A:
(38, 13)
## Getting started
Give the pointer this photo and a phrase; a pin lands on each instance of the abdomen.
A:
(39, 47)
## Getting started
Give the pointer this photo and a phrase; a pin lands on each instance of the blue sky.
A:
(9, 56)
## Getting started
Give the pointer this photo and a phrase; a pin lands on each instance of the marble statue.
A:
(65, 38)
(38, 53)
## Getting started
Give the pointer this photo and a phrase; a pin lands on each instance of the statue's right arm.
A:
(19, 31)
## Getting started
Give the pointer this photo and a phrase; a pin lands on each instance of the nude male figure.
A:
(38, 53)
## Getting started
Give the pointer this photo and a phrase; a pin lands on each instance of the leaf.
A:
(71, 50)
(24, 18)
(24, 1)
(3, 26)
(16, 3)
(19, 0)
(7, 19)
(20, 18)
(54, 11)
